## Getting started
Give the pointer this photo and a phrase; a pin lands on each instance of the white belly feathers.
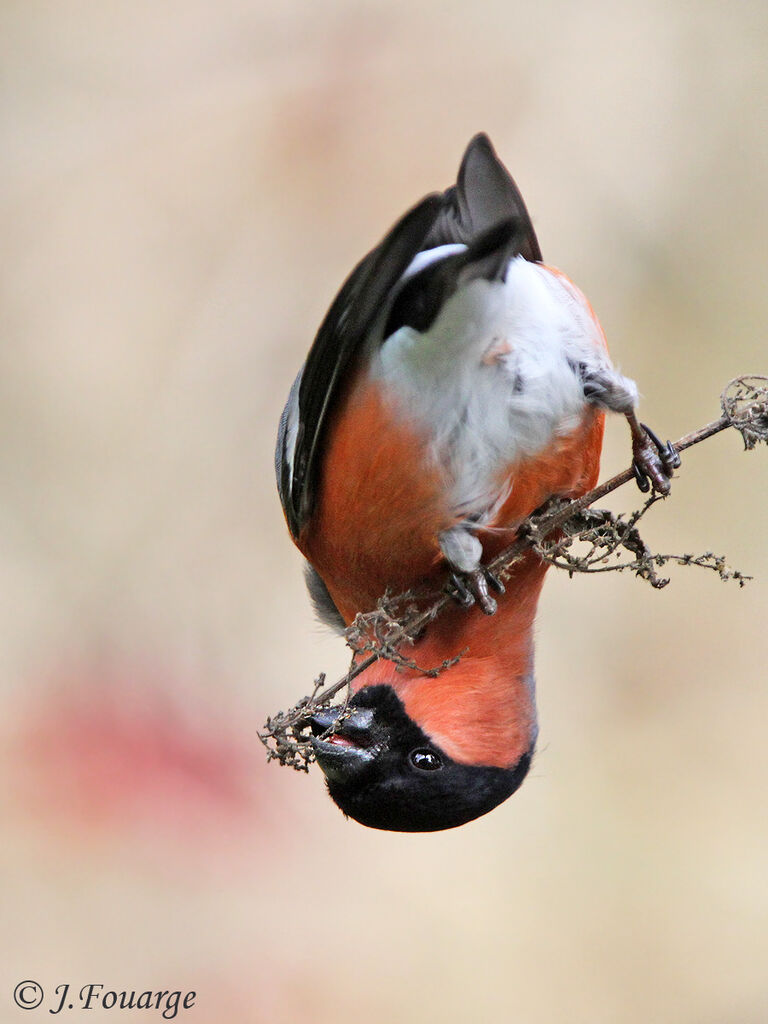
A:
(496, 377)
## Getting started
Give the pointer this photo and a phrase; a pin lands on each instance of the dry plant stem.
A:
(537, 528)
(394, 622)
(621, 478)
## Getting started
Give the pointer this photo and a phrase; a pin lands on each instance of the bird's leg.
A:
(469, 581)
(653, 461)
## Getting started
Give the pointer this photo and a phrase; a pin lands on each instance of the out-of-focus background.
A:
(183, 188)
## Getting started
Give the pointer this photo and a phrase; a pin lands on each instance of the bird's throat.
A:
(481, 708)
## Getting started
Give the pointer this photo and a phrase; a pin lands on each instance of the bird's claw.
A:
(653, 461)
(468, 587)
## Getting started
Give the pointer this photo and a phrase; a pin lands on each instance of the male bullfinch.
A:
(455, 385)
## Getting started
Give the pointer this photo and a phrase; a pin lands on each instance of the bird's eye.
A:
(425, 760)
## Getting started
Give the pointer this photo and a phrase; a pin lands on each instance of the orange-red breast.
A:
(456, 383)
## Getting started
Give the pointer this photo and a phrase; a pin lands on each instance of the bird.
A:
(456, 384)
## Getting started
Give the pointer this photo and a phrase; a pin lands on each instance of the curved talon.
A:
(652, 436)
(459, 590)
(468, 587)
(495, 581)
(671, 456)
(654, 462)
(643, 483)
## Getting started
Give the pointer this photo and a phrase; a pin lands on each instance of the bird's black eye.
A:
(425, 760)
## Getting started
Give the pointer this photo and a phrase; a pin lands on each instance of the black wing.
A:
(484, 196)
(345, 327)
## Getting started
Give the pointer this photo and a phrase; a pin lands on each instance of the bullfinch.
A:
(455, 385)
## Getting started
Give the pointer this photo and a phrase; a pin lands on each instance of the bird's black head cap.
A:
(385, 772)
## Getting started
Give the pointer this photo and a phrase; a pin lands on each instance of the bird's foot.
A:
(474, 586)
(653, 461)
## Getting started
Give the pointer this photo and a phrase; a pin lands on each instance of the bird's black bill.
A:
(343, 741)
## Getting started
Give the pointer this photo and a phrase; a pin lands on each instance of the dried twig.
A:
(551, 533)
(605, 534)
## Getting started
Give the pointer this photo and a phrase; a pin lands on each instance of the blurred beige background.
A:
(184, 186)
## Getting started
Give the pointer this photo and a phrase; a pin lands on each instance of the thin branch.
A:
(744, 402)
